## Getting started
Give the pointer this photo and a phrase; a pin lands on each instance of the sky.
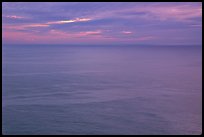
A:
(157, 23)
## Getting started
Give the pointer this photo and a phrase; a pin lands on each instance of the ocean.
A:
(101, 90)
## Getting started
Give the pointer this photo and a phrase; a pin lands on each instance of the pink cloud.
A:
(157, 11)
(86, 33)
(126, 32)
(69, 21)
(15, 17)
(25, 26)
(36, 25)
(180, 12)
(55, 36)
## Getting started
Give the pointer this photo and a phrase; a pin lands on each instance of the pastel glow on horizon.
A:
(116, 22)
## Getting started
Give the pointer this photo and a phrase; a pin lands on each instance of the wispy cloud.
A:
(94, 33)
(126, 32)
(57, 36)
(177, 12)
(103, 21)
(47, 24)
(69, 21)
(23, 27)
(86, 33)
(14, 17)
(155, 11)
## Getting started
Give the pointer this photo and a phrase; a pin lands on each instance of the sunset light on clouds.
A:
(102, 68)
(147, 23)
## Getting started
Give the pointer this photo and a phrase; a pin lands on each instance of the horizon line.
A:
(106, 44)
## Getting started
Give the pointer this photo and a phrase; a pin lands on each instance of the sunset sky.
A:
(172, 23)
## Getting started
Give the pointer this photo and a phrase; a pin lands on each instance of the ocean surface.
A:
(61, 89)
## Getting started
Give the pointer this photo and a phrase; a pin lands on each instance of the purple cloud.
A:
(130, 22)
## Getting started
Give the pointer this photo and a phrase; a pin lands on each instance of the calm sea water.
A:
(102, 89)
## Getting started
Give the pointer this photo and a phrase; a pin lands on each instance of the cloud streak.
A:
(97, 32)
(25, 26)
(105, 22)
(155, 11)
(126, 32)
(14, 17)
(69, 21)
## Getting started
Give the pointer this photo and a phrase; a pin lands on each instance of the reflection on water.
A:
(101, 90)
